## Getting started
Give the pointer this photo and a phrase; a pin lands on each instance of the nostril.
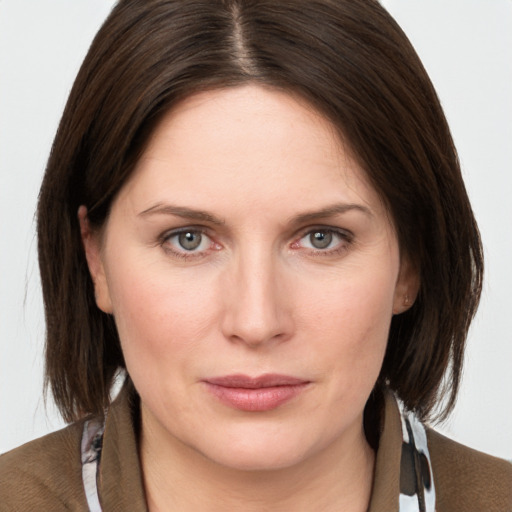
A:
(272, 329)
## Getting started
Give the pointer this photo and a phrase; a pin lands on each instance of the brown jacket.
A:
(45, 474)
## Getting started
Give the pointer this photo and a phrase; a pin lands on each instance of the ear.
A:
(407, 286)
(92, 246)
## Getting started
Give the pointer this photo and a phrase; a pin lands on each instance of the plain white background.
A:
(466, 46)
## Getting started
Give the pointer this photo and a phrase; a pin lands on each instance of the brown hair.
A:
(351, 61)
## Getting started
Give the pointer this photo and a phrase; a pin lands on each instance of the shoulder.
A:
(467, 479)
(44, 474)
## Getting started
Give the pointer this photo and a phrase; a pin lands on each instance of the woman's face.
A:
(252, 272)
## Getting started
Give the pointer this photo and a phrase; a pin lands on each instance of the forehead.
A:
(250, 145)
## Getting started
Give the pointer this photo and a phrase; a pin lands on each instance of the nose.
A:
(257, 308)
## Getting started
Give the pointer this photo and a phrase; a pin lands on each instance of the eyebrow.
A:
(330, 211)
(203, 216)
(182, 211)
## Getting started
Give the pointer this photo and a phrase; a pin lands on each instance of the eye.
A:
(321, 239)
(325, 240)
(187, 241)
(190, 240)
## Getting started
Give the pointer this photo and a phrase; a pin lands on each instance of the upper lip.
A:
(267, 380)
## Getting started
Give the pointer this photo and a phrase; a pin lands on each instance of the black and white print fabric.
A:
(92, 441)
(417, 492)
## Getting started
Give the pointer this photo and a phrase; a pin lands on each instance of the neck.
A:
(177, 477)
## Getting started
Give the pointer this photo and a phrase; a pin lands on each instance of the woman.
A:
(255, 210)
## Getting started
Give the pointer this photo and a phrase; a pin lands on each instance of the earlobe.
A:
(92, 248)
(407, 287)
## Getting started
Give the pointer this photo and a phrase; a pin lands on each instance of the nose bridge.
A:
(256, 312)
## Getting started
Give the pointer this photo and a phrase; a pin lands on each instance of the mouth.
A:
(255, 394)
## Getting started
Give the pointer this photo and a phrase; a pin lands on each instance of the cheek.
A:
(355, 299)
(159, 313)
(349, 320)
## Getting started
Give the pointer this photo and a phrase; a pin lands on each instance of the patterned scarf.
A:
(417, 492)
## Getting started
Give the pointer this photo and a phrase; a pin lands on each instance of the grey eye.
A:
(320, 239)
(190, 240)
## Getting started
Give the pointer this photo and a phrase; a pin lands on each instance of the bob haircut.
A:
(351, 62)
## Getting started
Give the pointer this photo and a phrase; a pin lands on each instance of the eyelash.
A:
(346, 238)
(165, 238)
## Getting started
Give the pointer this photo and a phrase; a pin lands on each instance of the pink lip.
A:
(255, 394)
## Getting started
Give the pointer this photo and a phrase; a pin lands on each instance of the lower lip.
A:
(256, 400)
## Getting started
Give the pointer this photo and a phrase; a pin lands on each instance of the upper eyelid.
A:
(182, 254)
(166, 236)
(311, 229)
(346, 240)
(176, 231)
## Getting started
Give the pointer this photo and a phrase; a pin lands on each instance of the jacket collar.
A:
(120, 483)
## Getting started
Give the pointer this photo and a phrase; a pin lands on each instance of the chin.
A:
(260, 461)
(257, 452)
